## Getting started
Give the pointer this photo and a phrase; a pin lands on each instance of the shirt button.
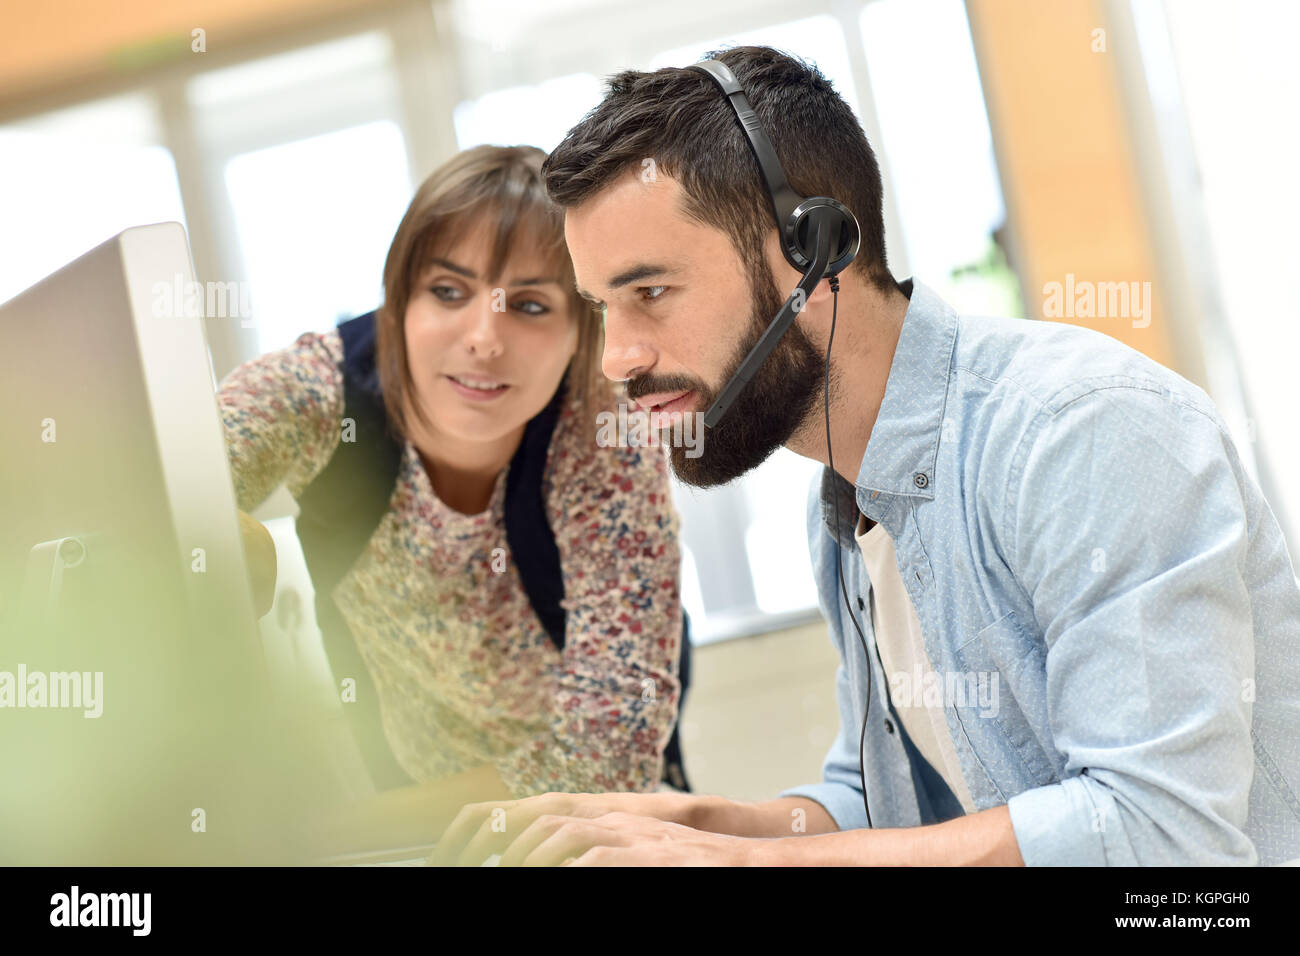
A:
(889, 725)
(920, 479)
(861, 606)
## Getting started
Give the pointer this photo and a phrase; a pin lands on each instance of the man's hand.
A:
(482, 829)
(587, 830)
(413, 815)
(259, 552)
(623, 839)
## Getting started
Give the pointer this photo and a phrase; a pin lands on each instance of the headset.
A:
(820, 236)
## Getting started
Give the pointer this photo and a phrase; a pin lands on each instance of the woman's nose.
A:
(483, 327)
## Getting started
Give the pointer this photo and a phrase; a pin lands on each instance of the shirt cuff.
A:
(1060, 825)
(842, 802)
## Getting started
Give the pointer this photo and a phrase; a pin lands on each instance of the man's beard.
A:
(776, 401)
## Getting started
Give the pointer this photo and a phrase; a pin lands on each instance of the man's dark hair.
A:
(681, 120)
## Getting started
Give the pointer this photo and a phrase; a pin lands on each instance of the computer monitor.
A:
(138, 723)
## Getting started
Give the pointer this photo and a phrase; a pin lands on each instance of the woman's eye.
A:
(446, 293)
(531, 307)
(651, 292)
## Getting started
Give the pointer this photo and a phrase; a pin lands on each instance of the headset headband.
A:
(795, 215)
(819, 236)
(784, 199)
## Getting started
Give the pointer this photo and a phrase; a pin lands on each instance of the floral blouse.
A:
(464, 670)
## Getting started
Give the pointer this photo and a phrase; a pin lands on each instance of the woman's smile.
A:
(476, 388)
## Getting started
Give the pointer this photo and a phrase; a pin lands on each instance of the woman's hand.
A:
(259, 552)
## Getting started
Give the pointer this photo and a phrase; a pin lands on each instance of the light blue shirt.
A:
(1103, 585)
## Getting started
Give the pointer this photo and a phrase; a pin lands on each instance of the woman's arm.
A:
(282, 415)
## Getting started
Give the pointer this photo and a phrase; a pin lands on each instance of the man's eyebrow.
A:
(471, 274)
(634, 274)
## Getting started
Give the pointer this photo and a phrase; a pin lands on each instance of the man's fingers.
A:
(596, 856)
(571, 839)
(461, 830)
(497, 824)
(553, 840)
(530, 837)
(454, 837)
(493, 836)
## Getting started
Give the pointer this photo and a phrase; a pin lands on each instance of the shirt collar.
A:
(904, 442)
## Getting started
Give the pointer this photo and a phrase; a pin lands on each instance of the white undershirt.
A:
(902, 652)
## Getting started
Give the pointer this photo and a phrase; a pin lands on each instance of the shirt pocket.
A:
(1013, 754)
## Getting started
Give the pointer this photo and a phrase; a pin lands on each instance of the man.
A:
(1082, 621)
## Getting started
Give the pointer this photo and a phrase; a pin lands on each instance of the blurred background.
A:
(1022, 144)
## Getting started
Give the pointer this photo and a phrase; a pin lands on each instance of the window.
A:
(309, 176)
(100, 165)
(940, 151)
(1225, 82)
(536, 115)
(776, 539)
(818, 39)
(314, 220)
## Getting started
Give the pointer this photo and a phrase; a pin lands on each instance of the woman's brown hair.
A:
(504, 185)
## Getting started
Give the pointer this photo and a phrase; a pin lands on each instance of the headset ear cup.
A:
(801, 231)
(850, 239)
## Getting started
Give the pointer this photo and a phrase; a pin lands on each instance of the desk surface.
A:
(399, 856)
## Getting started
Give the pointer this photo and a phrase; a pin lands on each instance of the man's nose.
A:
(627, 354)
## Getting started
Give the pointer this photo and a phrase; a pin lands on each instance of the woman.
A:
(482, 345)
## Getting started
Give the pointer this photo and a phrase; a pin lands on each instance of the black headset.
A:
(820, 237)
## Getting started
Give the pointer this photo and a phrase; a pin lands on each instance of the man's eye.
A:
(531, 307)
(651, 292)
(446, 293)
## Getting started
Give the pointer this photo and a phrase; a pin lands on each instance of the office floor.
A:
(761, 713)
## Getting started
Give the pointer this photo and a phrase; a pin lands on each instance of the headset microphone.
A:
(764, 346)
(819, 237)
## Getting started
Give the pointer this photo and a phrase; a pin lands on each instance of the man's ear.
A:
(821, 292)
(787, 277)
